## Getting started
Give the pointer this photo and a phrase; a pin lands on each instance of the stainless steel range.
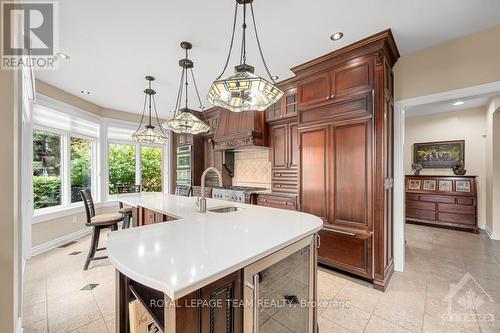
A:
(235, 193)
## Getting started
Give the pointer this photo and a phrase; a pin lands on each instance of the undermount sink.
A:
(227, 209)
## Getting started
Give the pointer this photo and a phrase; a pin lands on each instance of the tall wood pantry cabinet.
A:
(345, 138)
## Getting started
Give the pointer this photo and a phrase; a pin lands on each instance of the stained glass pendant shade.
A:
(184, 121)
(244, 91)
(149, 134)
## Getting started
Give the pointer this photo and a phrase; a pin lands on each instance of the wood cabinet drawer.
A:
(465, 201)
(284, 186)
(457, 218)
(421, 214)
(347, 250)
(414, 197)
(420, 205)
(277, 202)
(437, 198)
(458, 209)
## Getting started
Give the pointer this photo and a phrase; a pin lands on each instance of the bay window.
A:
(75, 150)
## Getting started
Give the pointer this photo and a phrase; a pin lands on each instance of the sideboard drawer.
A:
(437, 198)
(457, 218)
(458, 209)
(466, 201)
(421, 214)
(420, 205)
(413, 197)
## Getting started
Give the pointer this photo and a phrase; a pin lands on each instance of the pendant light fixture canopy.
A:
(244, 91)
(149, 134)
(184, 121)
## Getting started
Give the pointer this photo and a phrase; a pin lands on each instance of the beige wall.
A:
(463, 62)
(9, 222)
(493, 167)
(252, 168)
(45, 232)
(468, 125)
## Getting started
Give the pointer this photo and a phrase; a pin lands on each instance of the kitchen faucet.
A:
(202, 202)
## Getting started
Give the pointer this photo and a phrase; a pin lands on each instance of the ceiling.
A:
(113, 44)
(477, 101)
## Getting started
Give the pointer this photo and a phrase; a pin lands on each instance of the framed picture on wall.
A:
(429, 185)
(446, 185)
(414, 184)
(462, 185)
(439, 155)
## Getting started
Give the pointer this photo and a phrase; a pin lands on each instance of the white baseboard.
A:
(36, 250)
(491, 235)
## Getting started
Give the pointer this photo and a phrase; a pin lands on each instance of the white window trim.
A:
(100, 167)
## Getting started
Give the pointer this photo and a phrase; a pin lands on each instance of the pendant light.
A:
(149, 134)
(184, 121)
(244, 91)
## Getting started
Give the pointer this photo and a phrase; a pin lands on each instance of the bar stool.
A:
(127, 211)
(97, 222)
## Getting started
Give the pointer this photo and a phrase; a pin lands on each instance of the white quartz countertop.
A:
(181, 256)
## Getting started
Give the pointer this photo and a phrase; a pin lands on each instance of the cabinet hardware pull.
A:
(332, 96)
(256, 303)
(317, 240)
(342, 232)
(327, 97)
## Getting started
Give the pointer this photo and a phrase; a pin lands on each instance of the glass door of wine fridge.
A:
(280, 290)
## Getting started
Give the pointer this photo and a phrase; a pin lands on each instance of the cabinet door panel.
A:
(347, 251)
(313, 177)
(352, 78)
(279, 146)
(293, 149)
(314, 90)
(352, 182)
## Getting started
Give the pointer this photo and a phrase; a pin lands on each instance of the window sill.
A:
(47, 214)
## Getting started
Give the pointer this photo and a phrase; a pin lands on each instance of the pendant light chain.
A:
(232, 41)
(258, 44)
(196, 89)
(243, 59)
(143, 112)
(157, 118)
(179, 94)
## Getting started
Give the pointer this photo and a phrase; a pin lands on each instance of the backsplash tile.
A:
(252, 168)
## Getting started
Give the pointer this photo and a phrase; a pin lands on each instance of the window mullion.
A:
(66, 172)
(138, 165)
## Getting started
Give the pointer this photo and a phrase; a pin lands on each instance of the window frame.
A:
(100, 168)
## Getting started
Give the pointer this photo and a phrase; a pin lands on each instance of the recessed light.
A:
(337, 36)
(275, 77)
(85, 92)
(457, 103)
(62, 55)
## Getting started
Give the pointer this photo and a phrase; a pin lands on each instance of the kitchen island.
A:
(235, 268)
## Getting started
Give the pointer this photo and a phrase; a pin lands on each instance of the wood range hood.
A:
(239, 130)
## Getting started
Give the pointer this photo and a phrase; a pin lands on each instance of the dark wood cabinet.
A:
(286, 107)
(283, 140)
(313, 188)
(148, 216)
(445, 201)
(277, 201)
(354, 76)
(345, 132)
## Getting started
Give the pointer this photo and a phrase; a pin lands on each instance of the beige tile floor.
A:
(416, 300)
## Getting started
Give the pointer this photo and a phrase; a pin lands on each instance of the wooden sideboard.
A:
(449, 201)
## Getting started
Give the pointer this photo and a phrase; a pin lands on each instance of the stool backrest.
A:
(88, 202)
(128, 189)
